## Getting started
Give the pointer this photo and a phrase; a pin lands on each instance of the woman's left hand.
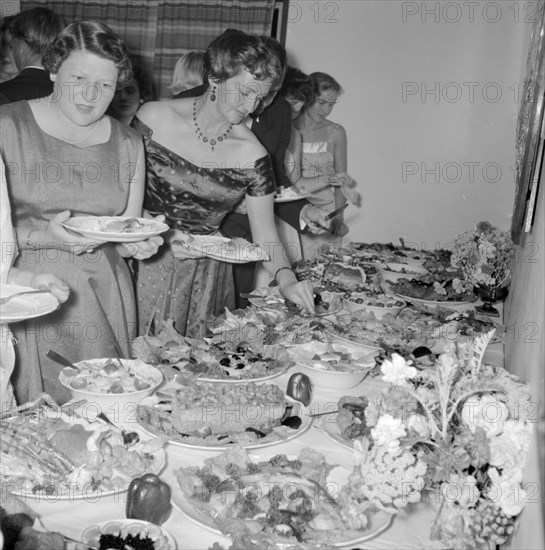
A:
(301, 293)
(141, 250)
(338, 227)
(51, 282)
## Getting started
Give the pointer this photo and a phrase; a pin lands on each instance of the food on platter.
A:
(236, 250)
(128, 533)
(284, 499)
(69, 456)
(348, 277)
(351, 417)
(333, 356)
(377, 302)
(215, 414)
(231, 356)
(325, 303)
(107, 224)
(393, 271)
(431, 291)
(117, 376)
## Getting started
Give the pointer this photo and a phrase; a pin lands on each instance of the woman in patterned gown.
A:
(65, 157)
(201, 162)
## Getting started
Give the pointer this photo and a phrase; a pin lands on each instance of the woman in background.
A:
(130, 96)
(201, 162)
(324, 162)
(78, 161)
(187, 72)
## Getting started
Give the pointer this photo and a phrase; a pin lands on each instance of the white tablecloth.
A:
(407, 530)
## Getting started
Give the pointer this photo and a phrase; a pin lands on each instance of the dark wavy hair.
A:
(93, 37)
(297, 85)
(322, 82)
(234, 51)
(38, 27)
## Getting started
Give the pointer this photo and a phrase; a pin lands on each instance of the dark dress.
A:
(193, 199)
(45, 176)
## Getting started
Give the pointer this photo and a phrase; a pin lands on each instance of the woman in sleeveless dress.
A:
(201, 162)
(324, 163)
(65, 158)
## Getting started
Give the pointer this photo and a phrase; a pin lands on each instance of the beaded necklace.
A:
(70, 141)
(200, 134)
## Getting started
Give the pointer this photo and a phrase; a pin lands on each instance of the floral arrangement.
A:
(458, 434)
(485, 255)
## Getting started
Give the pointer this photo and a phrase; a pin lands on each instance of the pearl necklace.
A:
(70, 141)
(200, 134)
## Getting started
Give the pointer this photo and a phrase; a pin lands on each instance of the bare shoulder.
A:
(154, 112)
(247, 145)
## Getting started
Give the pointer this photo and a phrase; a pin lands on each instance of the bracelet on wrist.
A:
(282, 269)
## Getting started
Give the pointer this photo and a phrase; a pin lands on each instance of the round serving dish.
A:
(133, 369)
(393, 271)
(378, 305)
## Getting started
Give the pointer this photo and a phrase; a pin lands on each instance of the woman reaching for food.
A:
(65, 157)
(201, 162)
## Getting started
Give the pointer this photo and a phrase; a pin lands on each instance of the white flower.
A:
(397, 371)
(507, 448)
(420, 425)
(461, 490)
(506, 491)
(388, 432)
(485, 412)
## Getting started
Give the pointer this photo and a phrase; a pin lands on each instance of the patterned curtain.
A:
(158, 32)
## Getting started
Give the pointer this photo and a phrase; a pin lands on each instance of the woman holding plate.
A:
(201, 162)
(65, 157)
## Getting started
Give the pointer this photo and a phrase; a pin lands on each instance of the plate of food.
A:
(236, 356)
(48, 456)
(121, 229)
(233, 251)
(270, 299)
(111, 382)
(25, 306)
(276, 500)
(212, 416)
(288, 194)
(128, 533)
(348, 423)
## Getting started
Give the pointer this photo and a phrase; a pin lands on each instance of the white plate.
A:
(89, 226)
(290, 195)
(26, 306)
(433, 303)
(338, 476)
(145, 525)
(70, 493)
(215, 247)
(305, 425)
(244, 380)
(331, 428)
(348, 341)
(279, 305)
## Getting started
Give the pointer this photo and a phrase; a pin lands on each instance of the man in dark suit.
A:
(271, 123)
(32, 32)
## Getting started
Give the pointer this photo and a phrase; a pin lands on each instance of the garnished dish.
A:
(393, 271)
(269, 298)
(129, 534)
(111, 376)
(349, 422)
(67, 457)
(213, 359)
(375, 302)
(115, 228)
(214, 416)
(235, 251)
(281, 499)
(431, 291)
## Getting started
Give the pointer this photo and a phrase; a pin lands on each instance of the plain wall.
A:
(432, 93)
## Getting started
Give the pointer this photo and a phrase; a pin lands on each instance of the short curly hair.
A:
(297, 86)
(234, 51)
(93, 37)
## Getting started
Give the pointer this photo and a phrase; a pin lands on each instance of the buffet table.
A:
(409, 529)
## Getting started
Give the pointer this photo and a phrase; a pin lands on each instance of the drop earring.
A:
(213, 94)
